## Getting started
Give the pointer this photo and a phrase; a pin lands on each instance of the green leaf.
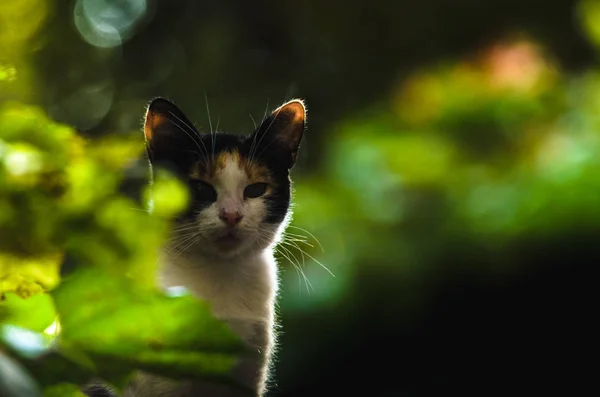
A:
(28, 276)
(119, 327)
(63, 390)
(167, 195)
(35, 313)
(7, 72)
(54, 367)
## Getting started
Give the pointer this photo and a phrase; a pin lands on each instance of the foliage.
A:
(491, 149)
(59, 201)
(458, 161)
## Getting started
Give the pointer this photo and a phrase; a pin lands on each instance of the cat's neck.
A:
(241, 287)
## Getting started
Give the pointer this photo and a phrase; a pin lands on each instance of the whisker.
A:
(180, 238)
(289, 260)
(183, 231)
(266, 109)
(310, 256)
(139, 209)
(264, 149)
(253, 145)
(264, 134)
(262, 137)
(297, 238)
(212, 133)
(182, 242)
(194, 241)
(290, 256)
(184, 228)
(208, 112)
(197, 142)
(177, 236)
(252, 155)
(310, 234)
(298, 268)
(302, 271)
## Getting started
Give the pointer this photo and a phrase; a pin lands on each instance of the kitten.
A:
(240, 204)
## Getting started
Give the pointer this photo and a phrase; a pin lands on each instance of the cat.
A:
(240, 188)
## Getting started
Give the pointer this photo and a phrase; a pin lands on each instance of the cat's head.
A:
(239, 186)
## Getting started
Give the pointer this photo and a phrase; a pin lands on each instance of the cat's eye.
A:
(255, 190)
(205, 192)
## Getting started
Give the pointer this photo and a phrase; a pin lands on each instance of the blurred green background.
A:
(448, 177)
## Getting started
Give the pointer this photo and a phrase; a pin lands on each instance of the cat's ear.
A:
(283, 130)
(167, 130)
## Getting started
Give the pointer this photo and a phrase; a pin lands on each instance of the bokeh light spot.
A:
(26, 342)
(20, 162)
(108, 23)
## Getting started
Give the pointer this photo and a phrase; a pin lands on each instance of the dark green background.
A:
(427, 299)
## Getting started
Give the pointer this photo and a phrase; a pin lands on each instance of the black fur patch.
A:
(174, 143)
(97, 390)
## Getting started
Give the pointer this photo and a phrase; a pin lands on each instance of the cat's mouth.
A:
(228, 239)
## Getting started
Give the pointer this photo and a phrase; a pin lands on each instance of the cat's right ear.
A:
(168, 132)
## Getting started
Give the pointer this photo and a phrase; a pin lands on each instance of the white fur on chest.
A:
(242, 288)
(241, 291)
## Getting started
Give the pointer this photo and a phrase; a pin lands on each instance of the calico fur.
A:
(222, 245)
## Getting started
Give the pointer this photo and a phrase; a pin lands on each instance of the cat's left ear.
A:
(169, 134)
(283, 130)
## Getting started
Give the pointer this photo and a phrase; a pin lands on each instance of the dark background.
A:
(423, 303)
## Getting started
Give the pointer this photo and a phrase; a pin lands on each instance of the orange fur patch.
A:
(295, 110)
(254, 171)
(153, 121)
(226, 157)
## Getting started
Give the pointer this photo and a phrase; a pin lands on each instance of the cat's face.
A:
(239, 185)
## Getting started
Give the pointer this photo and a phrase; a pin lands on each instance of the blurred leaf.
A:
(35, 313)
(7, 72)
(589, 13)
(14, 379)
(34, 154)
(63, 390)
(124, 327)
(53, 368)
(28, 276)
(167, 195)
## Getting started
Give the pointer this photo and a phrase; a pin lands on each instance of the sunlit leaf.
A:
(122, 327)
(63, 390)
(35, 313)
(167, 196)
(7, 72)
(28, 276)
(589, 14)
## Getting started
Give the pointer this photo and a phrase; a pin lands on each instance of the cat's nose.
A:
(230, 218)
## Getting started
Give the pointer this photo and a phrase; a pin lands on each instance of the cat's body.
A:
(221, 248)
(242, 292)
